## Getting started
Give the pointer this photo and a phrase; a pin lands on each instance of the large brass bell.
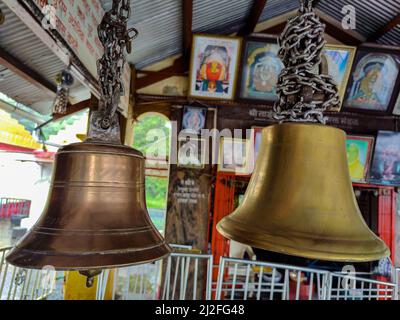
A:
(300, 199)
(95, 216)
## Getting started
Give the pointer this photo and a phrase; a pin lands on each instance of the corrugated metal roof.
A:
(392, 37)
(19, 41)
(276, 8)
(159, 23)
(224, 16)
(371, 15)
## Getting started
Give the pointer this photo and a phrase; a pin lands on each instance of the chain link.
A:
(115, 38)
(300, 81)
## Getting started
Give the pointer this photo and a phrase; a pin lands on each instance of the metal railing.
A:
(246, 279)
(184, 270)
(348, 287)
(18, 208)
(24, 284)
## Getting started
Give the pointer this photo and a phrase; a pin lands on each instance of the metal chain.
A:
(115, 37)
(300, 81)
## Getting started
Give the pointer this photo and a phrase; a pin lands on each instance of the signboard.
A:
(76, 21)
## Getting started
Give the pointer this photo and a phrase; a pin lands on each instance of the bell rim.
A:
(18, 251)
(308, 253)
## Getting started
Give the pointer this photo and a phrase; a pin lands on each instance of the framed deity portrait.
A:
(359, 152)
(374, 80)
(213, 67)
(235, 156)
(194, 119)
(192, 153)
(385, 168)
(260, 69)
(339, 60)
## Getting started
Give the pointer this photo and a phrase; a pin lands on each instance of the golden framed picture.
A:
(260, 69)
(192, 153)
(339, 59)
(235, 156)
(214, 66)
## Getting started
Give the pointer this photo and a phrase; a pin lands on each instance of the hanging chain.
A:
(300, 81)
(115, 37)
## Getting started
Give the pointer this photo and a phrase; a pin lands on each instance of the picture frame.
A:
(359, 154)
(259, 69)
(235, 156)
(339, 59)
(374, 79)
(194, 119)
(214, 66)
(192, 153)
(385, 168)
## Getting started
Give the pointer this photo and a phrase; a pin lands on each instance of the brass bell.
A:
(300, 199)
(95, 216)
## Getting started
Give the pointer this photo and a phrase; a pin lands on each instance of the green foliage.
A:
(151, 135)
(145, 139)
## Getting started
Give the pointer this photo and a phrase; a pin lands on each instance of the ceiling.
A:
(160, 26)
(159, 22)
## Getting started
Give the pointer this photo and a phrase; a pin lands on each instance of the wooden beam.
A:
(25, 72)
(340, 34)
(389, 26)
(187, 20)
(252, 19)
(331, 29)
(74, 108)
(177, 67)
(276, 29)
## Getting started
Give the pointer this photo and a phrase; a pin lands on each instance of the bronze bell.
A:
(300, 199)
(95, 216)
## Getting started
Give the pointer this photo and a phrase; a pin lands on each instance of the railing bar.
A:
(271, 295)
(247, 281)
(260, 275)
(298, 285)
(4, 280)
(196, 265)
(311, 286)
(175, 277)
(186, 277)
(234, 281)
(12, 284)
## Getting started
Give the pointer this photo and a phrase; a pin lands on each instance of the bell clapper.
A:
(90, 275)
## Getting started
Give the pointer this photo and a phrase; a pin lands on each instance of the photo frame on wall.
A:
(339, 59)
(192, 153)
(214, 66)
(259, 70)
(359, 153)
(374, 79)
(385, 168)
(194, 119)
(235, 156)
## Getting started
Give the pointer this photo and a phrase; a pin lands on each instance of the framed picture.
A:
(234, 156)
(260, 69)
(373, 80)
(213, 66)
(339, 60)
(194, 119)
(192, 153)
(385, 167)
(359, 151)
